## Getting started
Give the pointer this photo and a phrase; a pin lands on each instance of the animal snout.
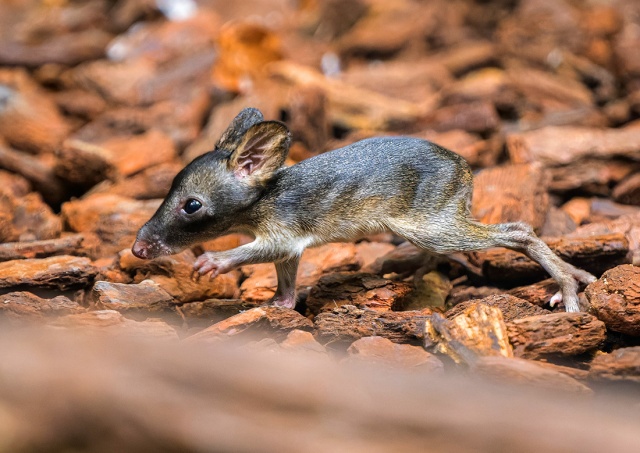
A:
(141, 249)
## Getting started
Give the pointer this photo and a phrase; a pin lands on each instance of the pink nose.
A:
(141, 249)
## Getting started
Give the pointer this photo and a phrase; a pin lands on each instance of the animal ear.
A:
(261, 152)
(232, 136)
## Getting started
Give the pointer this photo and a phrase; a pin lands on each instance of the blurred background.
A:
(150, 84)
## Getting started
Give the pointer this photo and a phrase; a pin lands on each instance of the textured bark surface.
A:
(511, 193)
(146, 296)
(379, 350)
(348, 323)
(526, 372)
(84, 244)
(174, 274)
(620, 365)
(562, 334)
(359, 289)
(563, 145)
(510, 306)
(276, 322)
(477, 331)
(615, 299)
(113, 323)
(61, 272)
(25, 306)
(538, 293)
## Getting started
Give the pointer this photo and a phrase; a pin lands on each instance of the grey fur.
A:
(411, 187)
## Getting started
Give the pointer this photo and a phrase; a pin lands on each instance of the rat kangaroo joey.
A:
(407, 186)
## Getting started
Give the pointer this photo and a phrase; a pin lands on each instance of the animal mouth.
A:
(147, 250)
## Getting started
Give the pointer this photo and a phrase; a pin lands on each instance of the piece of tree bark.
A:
(562, 145)
(627, 225)
(477, 331)
(510, 306)
(38, 171)
(23, 306)
(404, 259)
(462, 59)
(535, 85)
(114, 219)
(111, 322)
(537, 293)
(30, 218)
(215, 309)
(615, 299)
(83, 244)
(14, 184)
(558, 223)
(560, 334)
(61, 272)
(146, 297)
(628, 191)
(175, 275)
(29, 119)
(140, 81)
(276, 322)
(81, 103)
(386, 34)
(463, 293)
(301, 341)
(511, 193)
(359, 289)
(67, 49)
(476, 117)
(244, 49)
(153, 182)
(529, 373)
(367, 252)
(343, 325)
(477, 152)
(382, 351)
(406, 80)
(619, 365)
(590, 176)
(164, 41)
(351, 107)
(579, 374)
(308, 118)
(431, 290)
(87, 162)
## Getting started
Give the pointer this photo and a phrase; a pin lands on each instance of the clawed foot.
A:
(570, 304)
(284, 301)
(570, 298)
(210, 263)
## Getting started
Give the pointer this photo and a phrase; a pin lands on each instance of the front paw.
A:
(210, 263)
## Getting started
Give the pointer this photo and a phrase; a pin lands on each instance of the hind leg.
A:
(520, 237)
(466, 235)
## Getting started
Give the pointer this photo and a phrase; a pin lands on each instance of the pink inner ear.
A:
(249, 162)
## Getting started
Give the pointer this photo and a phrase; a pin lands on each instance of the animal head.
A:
(209, 195)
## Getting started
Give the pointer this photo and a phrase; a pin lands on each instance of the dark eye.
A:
(191, 206)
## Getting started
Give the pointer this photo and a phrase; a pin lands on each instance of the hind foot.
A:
(571, 304)
(288, 301)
